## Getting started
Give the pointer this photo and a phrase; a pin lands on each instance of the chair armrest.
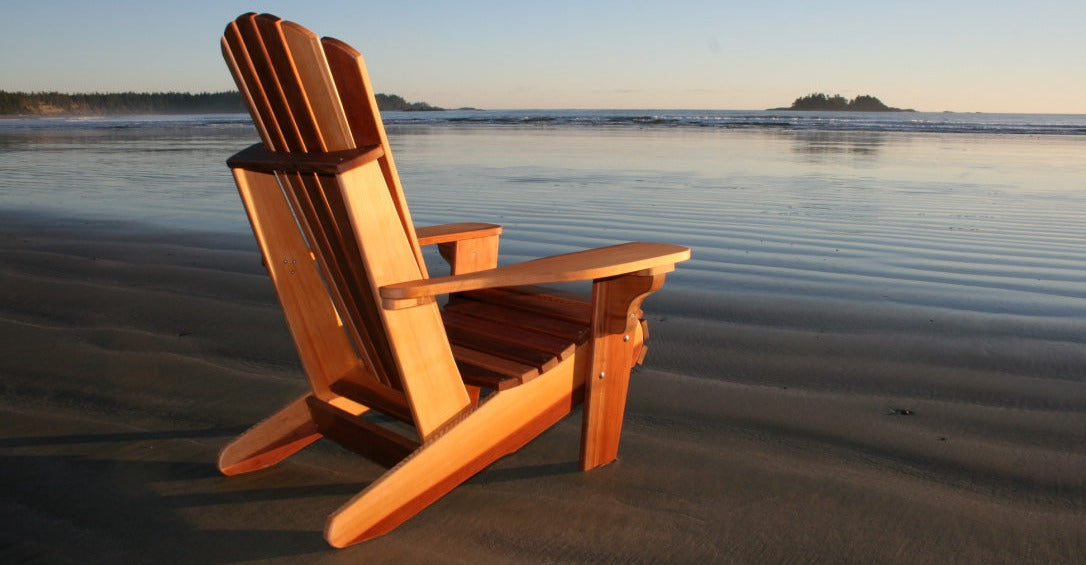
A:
(447, 233)
(259, 158)
(592, 264)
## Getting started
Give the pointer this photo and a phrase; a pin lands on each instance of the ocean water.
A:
(985, 212)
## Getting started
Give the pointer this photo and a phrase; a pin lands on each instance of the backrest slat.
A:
(280, 64)
(311, 68)
(280, 99)
(268, 83)
(237, 59)
(353, 84)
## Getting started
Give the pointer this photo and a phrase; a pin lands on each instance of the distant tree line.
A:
(838, 103)
(55, 103)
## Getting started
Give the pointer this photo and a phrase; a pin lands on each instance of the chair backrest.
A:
(313, 95)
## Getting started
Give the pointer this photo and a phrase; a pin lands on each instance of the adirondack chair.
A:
(462, 384)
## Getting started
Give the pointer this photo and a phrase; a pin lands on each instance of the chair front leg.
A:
(616, 338)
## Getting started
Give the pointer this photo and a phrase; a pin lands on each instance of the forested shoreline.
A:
(120, 103)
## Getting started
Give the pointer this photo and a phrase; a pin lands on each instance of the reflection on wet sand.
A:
(859, 143)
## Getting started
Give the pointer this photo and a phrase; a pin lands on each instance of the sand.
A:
(762, 429)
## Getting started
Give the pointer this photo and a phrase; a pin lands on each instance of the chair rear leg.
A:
(502, 424)
(279, 436)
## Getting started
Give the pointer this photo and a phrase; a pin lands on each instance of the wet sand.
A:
(765, 427)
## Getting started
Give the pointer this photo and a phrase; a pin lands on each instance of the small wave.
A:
(1012, 124)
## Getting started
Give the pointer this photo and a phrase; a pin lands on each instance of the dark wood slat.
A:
(363, 118)
(258, 158)
(282, 64)
(366, 438)
(379, 397)
(574, 332)
(499, 365)
(525, 337)
(465, 337)
(547, 304)
(479, 377)
(269, 83)
(447, 233)
(241, 67)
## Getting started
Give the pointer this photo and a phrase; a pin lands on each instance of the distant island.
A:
(837, 103)
(58, 104)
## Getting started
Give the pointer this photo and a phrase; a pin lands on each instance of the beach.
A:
(875, 355)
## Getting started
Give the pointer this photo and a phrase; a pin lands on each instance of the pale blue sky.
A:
(990, 55)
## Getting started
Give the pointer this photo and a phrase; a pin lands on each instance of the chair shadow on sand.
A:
(105, 499)
(100, 497)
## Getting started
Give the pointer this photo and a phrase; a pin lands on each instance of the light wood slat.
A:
(317, 214)
(322, 99)
(416, 335)
(325, 352)
(300, 191)
(349, 274)
(579, 266)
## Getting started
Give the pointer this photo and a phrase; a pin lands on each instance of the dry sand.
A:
(760, 430)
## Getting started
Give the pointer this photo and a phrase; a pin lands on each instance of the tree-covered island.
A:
(58, 104)
(837, 103)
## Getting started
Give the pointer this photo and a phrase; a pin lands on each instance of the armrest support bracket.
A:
(466, 246)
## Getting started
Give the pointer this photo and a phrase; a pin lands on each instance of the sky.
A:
(939, 55)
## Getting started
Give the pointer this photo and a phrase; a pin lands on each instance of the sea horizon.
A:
(785, 120)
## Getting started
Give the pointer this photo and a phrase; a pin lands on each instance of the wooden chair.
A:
(326, 206)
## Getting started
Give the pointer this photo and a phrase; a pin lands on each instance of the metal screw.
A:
(602, 374)
(626, 338)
